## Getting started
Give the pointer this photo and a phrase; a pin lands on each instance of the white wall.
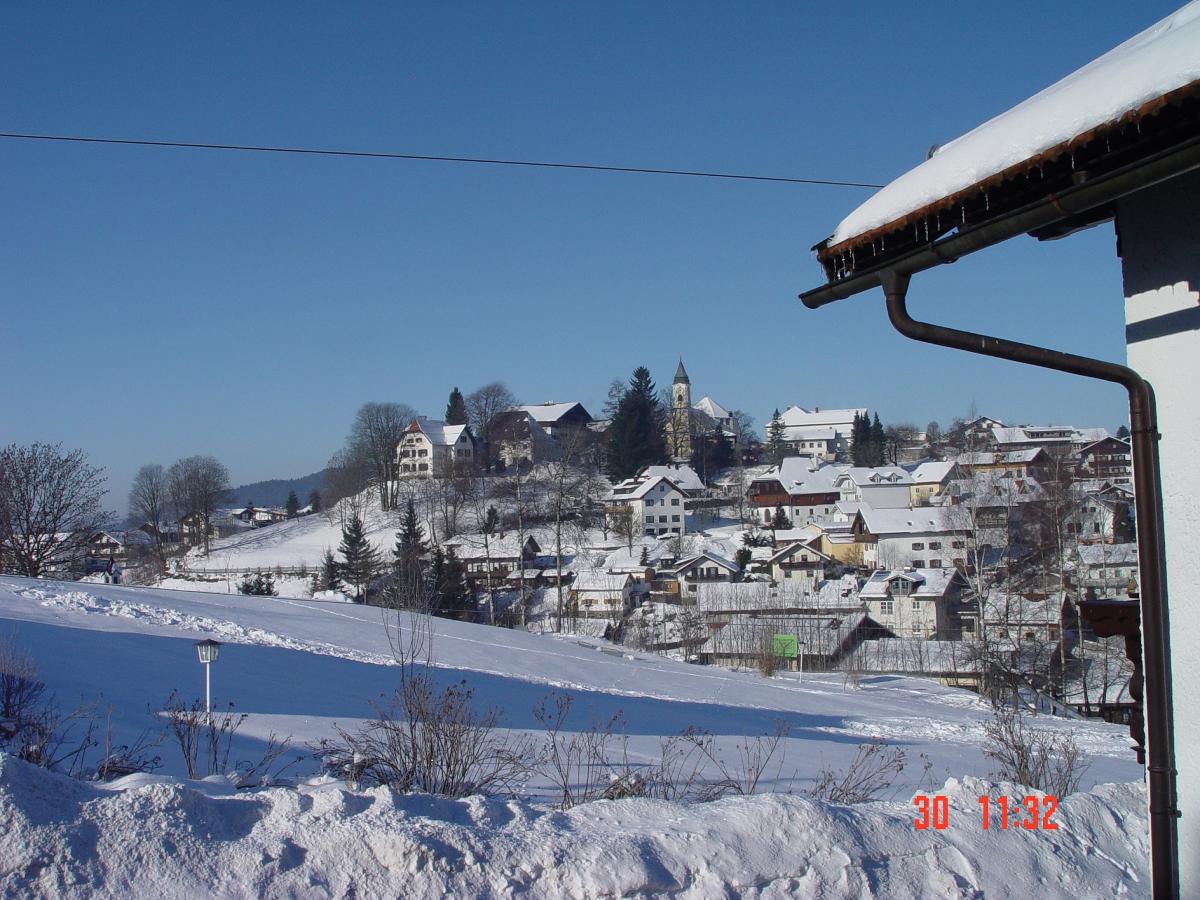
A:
(1159, 232)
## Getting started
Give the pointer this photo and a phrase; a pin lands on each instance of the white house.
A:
(914, 602)
(705, 568)
(926, 537)
(882, 487)
(930, 479)
(820, 433)
(800, 561)
(601, 595)
(432, 449)
(1106, 568)
(657, 504)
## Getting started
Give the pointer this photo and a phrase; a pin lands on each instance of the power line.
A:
(368, 154)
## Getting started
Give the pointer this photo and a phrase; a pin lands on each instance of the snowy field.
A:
(298, 667)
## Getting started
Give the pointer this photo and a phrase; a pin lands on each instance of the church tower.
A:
(681, 415)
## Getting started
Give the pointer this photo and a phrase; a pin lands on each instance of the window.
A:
(662, 518)
(918, 563)
(935, 545)
(674, 518)
(674, 501)
(957, 545)
(916, 605)
(917, 545)
(649, 518)
(887, 607)
(935, 564)
(787, 573)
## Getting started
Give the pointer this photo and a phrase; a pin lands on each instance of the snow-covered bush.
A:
(259, 584)
(874, 769)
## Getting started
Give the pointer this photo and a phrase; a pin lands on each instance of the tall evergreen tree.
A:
(877, 443)
(456, 408)
(860, 437)
(293, 505)
(330, 577)
(780, 520)
(776, 446)
(314, 501)
(636, 437)
(406, 558)
(452, 589)
(360, 561)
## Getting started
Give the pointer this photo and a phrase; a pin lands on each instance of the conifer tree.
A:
(330, 577)
(780, 520)
(636, 437)
(645, 558)
(877, 443)
(293, 505)
(776, 446)
(360, 561)
(743, 557)
(456, 408)
(314, 501)
(406, 557)
(452, 591)
(860, 438)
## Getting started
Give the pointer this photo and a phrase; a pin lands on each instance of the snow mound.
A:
(64, 838)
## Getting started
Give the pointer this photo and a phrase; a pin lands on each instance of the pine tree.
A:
(877, 443)
(360, 561)
(743, 557)
(314, 501)
(406, 557)
(636, 437)
(456, 408)
(293, 505)
(780, 520)
(452, 592)
(645, 559)
(860, 437)
(330, 577)
(776, 446)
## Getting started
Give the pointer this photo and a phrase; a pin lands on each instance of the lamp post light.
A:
(208, 650)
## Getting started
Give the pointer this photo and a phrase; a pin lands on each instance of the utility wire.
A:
(367, 154)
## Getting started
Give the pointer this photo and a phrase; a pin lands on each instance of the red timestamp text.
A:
(1031, 812)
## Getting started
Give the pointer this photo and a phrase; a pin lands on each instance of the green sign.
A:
(785, 645)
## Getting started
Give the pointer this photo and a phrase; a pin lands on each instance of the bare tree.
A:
(347, 478)
(196, 484)
(895, 438)
(484, 403)
(148, 501)
(374, 435)
(572, 487)
(49, 505)
(624, 522)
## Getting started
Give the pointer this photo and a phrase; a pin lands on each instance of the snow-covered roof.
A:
(1163, 58)
(931, 472)
(797, 547)
(799, 416)
(699, 559)
(600, 582)
(810, 432)
(822, 633)
(548, 413)
(711, 407)
(864, 476)
(637, 488)
(437, 431)
(923, 520)
(801, 475)
(684, 476)
(1000, 457)
(1108, 554)
(1033, 434)
(929, 583)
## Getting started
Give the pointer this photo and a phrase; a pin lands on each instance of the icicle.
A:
(963, 207)
(1072, 159)
(987, 202)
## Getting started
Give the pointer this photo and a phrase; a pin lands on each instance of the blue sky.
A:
(158, 303)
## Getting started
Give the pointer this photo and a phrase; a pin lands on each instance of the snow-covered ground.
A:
(298, 667)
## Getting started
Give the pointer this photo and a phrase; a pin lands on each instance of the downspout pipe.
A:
(1144, 437)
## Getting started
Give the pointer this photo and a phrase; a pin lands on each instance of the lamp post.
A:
(800, 650)
(208, 650)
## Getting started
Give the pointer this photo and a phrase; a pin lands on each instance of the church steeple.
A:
(681, 376)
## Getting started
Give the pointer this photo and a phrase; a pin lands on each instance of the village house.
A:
(1062, 437)
(800, 486)
(432, 449)
(500, 556)
(119, 545)
(258, 516)
(930, 480)
(927, 537)
(516, 439)
(556, 419)
(882, 487)
(702, 569)
(823, 434)
(915, 602)
(601, 595)
(801, 561)
(220, 525)
(657, 505)
(1109, 459)
(1027, 462)
(1107, 569)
